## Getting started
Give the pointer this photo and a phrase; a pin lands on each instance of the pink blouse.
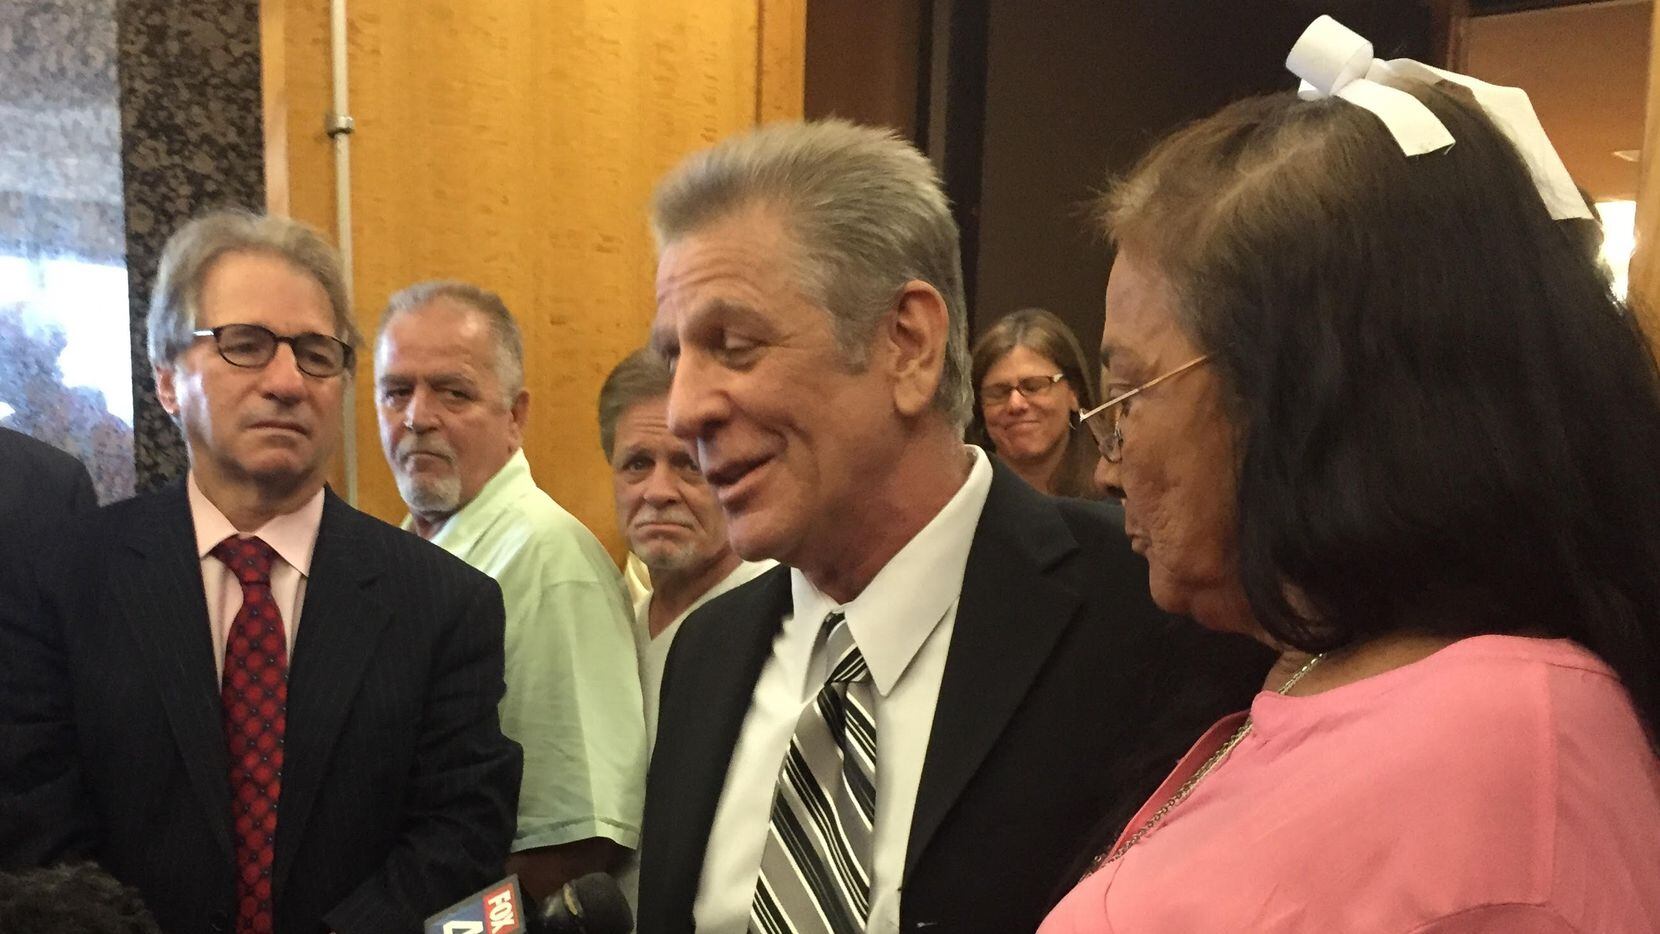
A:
(1503, 784)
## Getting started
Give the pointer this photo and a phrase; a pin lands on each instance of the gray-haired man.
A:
(260, 707)
(917, 721)
(449, 387)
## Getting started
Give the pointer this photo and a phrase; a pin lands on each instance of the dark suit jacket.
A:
(1062, 682)
(399, 789)
(40, 486)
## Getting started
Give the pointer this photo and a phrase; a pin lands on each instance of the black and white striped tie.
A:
(815, 871)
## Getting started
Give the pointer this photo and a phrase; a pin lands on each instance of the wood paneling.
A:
(782, 55)
(1585, 68)
(515, 144)
(863, 61)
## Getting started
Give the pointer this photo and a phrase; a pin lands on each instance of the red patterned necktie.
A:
(254, 697)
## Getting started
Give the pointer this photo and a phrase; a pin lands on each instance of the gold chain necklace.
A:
(1188, 786)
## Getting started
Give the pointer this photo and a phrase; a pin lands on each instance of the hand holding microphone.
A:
(593, 904)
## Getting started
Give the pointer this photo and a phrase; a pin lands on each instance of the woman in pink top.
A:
(1376, 409)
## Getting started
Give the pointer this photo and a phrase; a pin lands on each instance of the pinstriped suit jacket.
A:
(399, 789)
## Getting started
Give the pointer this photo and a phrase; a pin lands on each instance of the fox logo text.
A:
(498, 909)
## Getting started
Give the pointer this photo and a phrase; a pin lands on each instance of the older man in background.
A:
(449, 387)
(666, 511)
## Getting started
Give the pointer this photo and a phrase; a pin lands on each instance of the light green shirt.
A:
(573, 685)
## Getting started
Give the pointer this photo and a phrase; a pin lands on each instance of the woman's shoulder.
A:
(1540, 711)
(1529, 748)
(1519, 697)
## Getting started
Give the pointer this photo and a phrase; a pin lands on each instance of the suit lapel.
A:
(1009, 618)
(697, 747)
(340, 625)
(158, 589)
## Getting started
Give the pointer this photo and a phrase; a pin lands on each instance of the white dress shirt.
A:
(653, 654)
(653, 651)
(293, 537)
(902, 623)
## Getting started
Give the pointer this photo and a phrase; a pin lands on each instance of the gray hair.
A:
(868, 213)
(510, 345)
(641, 376)
(194, 248)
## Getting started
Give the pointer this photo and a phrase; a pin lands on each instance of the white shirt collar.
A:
(895, 613)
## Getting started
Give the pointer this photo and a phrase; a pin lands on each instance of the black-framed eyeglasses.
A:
(1108, 432)
(1031, 387)
(252, 346)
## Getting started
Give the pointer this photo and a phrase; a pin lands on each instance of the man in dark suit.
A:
(921, 719)
(40, 486)
(261, 708)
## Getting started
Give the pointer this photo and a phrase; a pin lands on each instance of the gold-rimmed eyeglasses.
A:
(1108, 432)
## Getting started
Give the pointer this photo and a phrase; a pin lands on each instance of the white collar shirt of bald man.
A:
(902, 623)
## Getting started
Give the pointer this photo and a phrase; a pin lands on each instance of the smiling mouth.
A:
(728, 474)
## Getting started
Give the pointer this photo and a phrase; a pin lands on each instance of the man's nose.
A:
(281, 377)
(661, 488)
(695, 401)
(421, 414)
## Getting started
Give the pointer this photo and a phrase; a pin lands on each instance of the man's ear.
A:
(166, 392)
(916, 334)
(521, 416)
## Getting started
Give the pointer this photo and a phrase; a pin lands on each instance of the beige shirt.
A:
(292, 536)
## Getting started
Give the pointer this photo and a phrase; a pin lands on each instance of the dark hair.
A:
(640, 376)
(1040, 330)
(79, 898)
(1444, 421)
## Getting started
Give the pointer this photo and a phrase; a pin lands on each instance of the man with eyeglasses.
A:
(260, 707)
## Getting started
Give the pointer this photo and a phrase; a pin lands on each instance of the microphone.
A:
(593, 904)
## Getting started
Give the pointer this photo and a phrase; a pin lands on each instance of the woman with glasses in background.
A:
(1031, 379)
(1378, 410)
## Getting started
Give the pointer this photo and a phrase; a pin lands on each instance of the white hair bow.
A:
(1335, 61)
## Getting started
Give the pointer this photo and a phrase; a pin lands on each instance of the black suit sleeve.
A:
(45, 813)
(463, 797)
(81, 496)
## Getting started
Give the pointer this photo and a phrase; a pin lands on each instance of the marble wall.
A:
(191, 140)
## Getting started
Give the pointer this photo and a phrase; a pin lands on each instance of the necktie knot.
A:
(250, 559)
(846, 662)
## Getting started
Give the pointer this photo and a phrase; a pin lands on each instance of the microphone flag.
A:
(497, 909)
